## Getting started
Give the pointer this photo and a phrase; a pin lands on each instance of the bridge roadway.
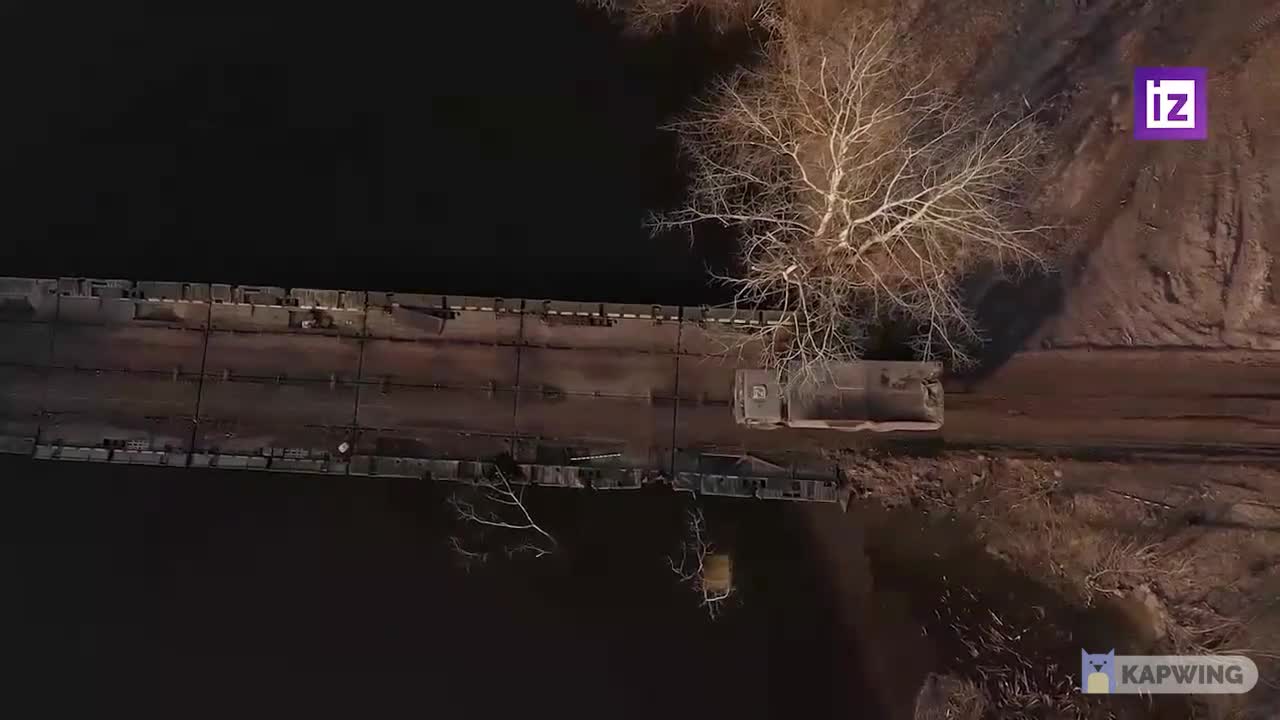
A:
(205, 371)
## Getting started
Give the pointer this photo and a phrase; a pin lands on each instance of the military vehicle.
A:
(849, 396)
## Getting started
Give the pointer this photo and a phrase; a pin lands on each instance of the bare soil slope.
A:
(1176, 240)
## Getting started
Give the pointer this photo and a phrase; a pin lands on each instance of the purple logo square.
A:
(1170, 103)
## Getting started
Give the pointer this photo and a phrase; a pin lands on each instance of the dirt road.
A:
(1208, 402)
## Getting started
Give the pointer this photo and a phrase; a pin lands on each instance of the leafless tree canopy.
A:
(495, 518)
(862, 195)
(698, 565)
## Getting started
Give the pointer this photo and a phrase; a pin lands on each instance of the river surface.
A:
(464, 148)
(203, 594)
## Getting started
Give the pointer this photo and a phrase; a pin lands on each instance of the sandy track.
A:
(1182, 401)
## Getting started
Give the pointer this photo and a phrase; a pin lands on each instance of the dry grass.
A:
(646, 17)
(1084, 544)
(958, 33)
(950, 697)
(1007, 689)
(1188, 587)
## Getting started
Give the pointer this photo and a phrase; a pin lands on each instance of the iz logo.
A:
(1170, 104)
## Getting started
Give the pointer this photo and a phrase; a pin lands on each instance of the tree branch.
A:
(691, 567)
(498, 506)
(863, 197)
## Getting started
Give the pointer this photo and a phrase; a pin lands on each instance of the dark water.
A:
(207, 594)
(199, 594)
(460, 148)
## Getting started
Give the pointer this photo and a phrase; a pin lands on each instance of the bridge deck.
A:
(185, 376)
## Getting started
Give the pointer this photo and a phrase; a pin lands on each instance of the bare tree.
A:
(494, 510)
(706, 571)
(862, 196)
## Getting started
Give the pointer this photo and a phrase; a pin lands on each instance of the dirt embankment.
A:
(1170, 244)
(1172, 558)
(1175, 241)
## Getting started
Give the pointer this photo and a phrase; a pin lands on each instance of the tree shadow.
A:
(1010, 313)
